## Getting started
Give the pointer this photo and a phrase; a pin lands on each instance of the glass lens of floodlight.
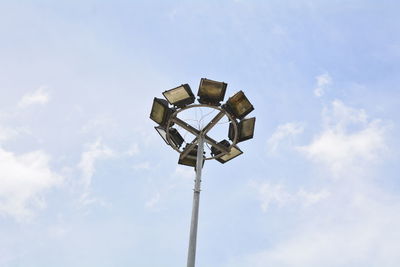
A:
(215, 151)
(246, 128)
(175, 137)
(161, 131)
(211, 91)
(157, 112)
(176, 94)
(235, 151)
(240, 105)
(188, 161)
(180, 96)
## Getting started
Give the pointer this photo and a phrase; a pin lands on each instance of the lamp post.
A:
(166, 114)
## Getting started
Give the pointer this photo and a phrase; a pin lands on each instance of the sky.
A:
(85, 180)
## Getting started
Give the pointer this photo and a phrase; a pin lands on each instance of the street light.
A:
(160, 111)
(238, 105)
(245, 129)
(211, 94)
(180, 96)
(175, 136)
(234, 151)
(190, 159)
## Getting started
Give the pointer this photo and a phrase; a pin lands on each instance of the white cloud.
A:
(7, 133)
(102, 124)
(284, 131)
(348, 139)
(95, 151)
(340, 116)
(151, 203)
(180, 178)
(133, 150)
(184, 173)
(322, 83)
(58, 231)
(23, 181)
(360, 229)
(357, 223)
(276, 194)
(38, 97)
(142, 166)
(269, 194)
(310, 198)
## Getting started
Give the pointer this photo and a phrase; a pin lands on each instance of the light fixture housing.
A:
(215, 151)
(211, 92)
(245, 130)
(180, 96)
(174, 136)
(233, 153)
(190, 159)
(160, 111)
(238, 105)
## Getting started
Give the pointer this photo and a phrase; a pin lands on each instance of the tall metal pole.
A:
(196, 201)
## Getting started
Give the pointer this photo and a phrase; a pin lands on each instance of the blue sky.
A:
(86, 181)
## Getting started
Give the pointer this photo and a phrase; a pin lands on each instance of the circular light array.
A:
(180, 100)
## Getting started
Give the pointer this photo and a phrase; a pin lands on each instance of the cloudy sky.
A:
(86, 181)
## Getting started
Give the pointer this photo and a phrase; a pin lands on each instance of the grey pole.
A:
(196, 200)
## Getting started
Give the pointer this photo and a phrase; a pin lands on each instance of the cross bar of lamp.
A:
(196, 133)
(213, 122)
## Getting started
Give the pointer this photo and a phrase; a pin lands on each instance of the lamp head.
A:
(238, 105)
(245, 130)
(233, 153)
(211, 92)
(190, 159)
(174, 136)
(160, 111)
(180, 96)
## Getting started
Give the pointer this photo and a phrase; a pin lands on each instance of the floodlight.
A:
(233, 153)
(211, 92)
(160, 111)
(180, 96)
(215, 151)
(174, 136)
(191, 158)
(166, 113)
(238, 105)
(245, 130)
